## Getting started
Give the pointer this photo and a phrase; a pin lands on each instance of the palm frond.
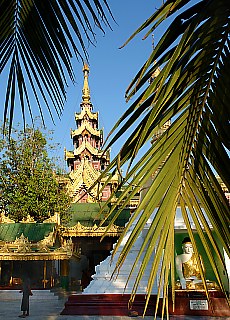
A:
(192, 92)
(37, 42)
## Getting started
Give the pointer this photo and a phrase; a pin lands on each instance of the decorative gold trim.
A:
(48, 241)
(4, 248)
(90, 148)
(34, 256)
(23, 244)
(53, 219)
(82, 179)
(67, 248)
(28, 219)
(81, 231)
(5, 219)
(85, 126)
(86, 111)
(23, 249)
(68, 154)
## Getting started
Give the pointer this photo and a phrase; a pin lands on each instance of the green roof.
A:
(88, 214)
(33, 231)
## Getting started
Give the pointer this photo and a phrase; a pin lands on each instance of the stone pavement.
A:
(49, 309)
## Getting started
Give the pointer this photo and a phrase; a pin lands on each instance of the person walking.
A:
(26, 293)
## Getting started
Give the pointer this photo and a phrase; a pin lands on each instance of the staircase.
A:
(63, 294)
(47, 295)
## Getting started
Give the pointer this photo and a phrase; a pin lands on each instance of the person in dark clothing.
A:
(26, 292)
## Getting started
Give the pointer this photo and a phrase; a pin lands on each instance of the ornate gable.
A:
(81, 181)
(84, 112)
(87, 128)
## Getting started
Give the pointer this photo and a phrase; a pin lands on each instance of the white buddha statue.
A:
(187, 266)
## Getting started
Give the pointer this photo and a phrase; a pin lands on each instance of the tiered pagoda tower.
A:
(87, 160)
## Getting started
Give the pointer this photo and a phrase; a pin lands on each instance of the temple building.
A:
(32, 249)
(66, 253)
(86, 162)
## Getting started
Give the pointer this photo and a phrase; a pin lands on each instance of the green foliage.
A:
(28, 182)
(185, 81)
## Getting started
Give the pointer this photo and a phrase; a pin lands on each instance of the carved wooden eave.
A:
(90, 148)
(132, 204)
(23, 249)
(85, 126)
(94, 231)
(91, 115)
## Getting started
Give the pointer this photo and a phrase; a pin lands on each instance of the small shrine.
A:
(32, 247)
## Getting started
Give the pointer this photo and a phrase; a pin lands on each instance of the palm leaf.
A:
(192, 92)
(37, 42)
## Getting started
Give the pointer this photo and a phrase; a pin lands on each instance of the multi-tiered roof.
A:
(87, 160)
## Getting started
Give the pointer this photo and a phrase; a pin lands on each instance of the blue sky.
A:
(111, 70)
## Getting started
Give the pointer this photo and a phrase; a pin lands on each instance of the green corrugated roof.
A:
(88, 214)
(33, 231)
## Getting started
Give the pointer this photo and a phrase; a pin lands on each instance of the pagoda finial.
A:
(85, 90)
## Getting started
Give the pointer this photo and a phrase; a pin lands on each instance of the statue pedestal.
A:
(195, 303)
(191, 303)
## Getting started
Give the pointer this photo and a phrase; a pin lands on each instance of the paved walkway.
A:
(50, 310)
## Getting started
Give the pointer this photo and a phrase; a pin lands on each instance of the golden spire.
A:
(85, 90)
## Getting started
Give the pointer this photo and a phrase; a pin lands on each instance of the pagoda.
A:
(87, 160)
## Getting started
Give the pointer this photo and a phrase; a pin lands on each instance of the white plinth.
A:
(102, 282)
